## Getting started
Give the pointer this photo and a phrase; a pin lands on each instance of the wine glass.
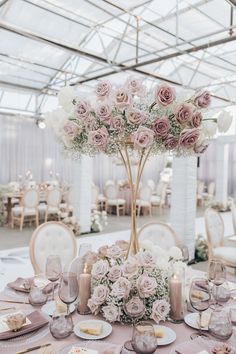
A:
(217, 276)
(68, 289)
(185, 253)
(220, 325)
(53, 270)
(199, 296)
(144, 340)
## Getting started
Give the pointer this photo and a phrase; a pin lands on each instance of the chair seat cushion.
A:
(116, 202)
(51, 210)
(155, 199)
(143, 203)
(228, 254)
(18, 210)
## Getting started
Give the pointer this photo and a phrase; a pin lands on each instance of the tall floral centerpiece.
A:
(128, 120)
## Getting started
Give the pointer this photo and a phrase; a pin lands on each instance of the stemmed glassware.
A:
(53, 270)
(68, 289)
(217, 276)
(144, 340)
(199, 296)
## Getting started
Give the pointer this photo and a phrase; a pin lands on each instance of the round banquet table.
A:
(10, 270)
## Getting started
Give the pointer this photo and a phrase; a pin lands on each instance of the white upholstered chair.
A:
(144, 200)
(52, 206)
(28, 210)
(160, 234)
(94, 197)
(52, 238)
(151, 184)
(113, 200)
(215, 236)
(159, 200)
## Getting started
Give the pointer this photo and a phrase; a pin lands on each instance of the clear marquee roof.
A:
(45, 43)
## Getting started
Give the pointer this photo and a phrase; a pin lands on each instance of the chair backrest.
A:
(53, 197)
(30, 198)
(211, 188)
(111, 191)
(160, 234)
(151, 184)
(214, 228)
(52, 238)
(31, 184)
(163, 193)
(145, 193)
(95, 193)
(234, 216)
(160, 187)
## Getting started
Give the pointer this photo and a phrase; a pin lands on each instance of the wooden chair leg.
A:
(12, 221)
(117, 210)
(21, 222)
(37, 219)
(46, 216)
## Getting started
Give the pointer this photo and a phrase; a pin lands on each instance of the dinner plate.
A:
(192, 319)
(106, 329)
(49, 308)
(99, 346)
(169, 335)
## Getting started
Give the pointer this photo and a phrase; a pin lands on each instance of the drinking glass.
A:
(144, 340)
(53, 270)
(37, 297)
(220, 325)
(61, 326)
(199, 296)
(221, 293)
(217, 276)
(185, 253)
(68, 289)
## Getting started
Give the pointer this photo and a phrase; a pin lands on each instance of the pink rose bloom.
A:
(143, 138)
(122, 98)
(135, 306)
(117, 123)
(183, 113)
(135, 86)
(164, 94)
(130, 267)
(100, 269)
(171, 142)
(103, 89)
(135, 116)
(99, 294)
(146, 259)
(202, 99)
(102, 251)
(82, 109)
(124, 245)
(98, 138)
(94, 308)
(121, 288)
(200, 149)
(189, 137)
(104, 111)
(71, 129)
(146, 286)
(114, 273)
(196, 119)
(114, 252)
(161, 126)
(160, 310)
(111, 313)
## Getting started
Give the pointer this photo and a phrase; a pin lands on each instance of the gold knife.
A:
(33, 348)
(7, 308)
(15, 302)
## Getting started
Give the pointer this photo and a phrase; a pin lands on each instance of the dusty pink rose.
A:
(183, 113)
(160, 310)
(117, 123)
(196, 119)
(114, 273)
(71, 129)
(94, 308)
(99, 294)
(161, 126)
(130, 267)
(124, 245)
(135, 86)
(135, 116)
(200, 149)
(82, 109)
(146, 286)
(122, 98)
(114, 252)
(164, 94)
(100, 269)
(111, 313)
(135, 306)
(98, 138)
(121, 288)
(104, 111)
(102, 251)
(202, 99)
(103, 89)
(143, 137)
(146, 259)
(189, 137)
(171, 142)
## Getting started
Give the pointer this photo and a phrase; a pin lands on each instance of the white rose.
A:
(56, 119)
(65, 98)
(175, 253)
(209, 128)
(147, 245)
(224, 121)
(111, 313)
(100, 269)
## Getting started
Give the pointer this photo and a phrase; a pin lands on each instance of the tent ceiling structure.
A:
(45, 43)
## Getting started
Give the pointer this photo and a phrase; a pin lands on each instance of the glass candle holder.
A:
(37, 297)
(177, 294)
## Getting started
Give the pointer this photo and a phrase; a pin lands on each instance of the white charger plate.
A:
(50, 307)
(169, 335)
(191, 319)
(106, 330)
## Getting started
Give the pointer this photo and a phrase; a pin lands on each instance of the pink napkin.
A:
(17, 284)
(104, 347)
(37, 320)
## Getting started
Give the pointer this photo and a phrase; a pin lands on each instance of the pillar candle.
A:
(176, 301)
(84, 292)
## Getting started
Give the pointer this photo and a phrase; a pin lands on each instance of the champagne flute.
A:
(144, 339)
(199, 296)
(68, 289)
(53, 270)
(217, 276)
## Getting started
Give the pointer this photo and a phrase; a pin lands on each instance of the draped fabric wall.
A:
(23, 147)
